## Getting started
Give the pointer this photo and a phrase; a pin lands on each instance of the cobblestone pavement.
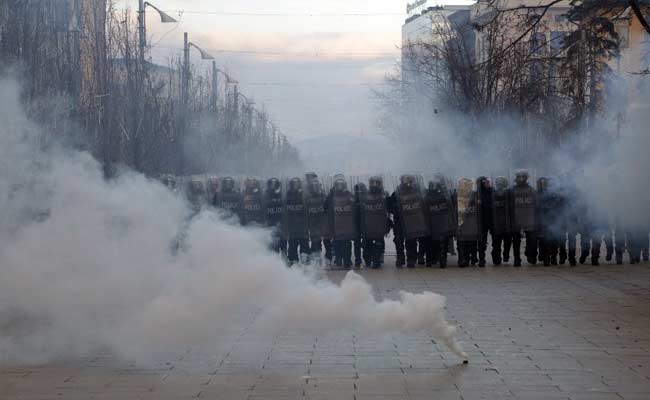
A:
(532, 333)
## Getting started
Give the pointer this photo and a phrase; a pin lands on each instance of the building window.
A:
(557, 42)
(538, 44)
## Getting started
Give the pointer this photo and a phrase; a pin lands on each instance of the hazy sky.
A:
(313, 73)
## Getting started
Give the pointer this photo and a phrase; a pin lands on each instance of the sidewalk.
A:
(532, 333)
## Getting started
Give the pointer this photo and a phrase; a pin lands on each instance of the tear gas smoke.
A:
(609, 172)
(87, 264)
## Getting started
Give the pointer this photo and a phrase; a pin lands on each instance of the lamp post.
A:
(215, 83)
(185, 84)
(142, 24)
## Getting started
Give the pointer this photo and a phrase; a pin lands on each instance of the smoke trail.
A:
(87, 264)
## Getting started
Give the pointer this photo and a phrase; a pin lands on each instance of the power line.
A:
(283, 14)
(292, 53)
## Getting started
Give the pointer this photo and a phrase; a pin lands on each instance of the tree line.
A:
(85, 80)
(510, 62)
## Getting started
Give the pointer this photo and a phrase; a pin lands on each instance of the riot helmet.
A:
(501, 183)
(196, 187)
(273, 185)
(169, 181)
(360, 188)
(521, 177)
(407, 181)
(251, 185)
(483, 183)
(228, 184)
(465, 185)
(311, 176)
(314, 186)
(340, 185)
(295, 185)
(376, 184)
(438, 184)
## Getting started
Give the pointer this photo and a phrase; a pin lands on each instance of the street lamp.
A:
(215, 83)
(186, 61)
(142, 25)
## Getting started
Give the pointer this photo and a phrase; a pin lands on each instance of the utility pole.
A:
(142, 31)
(215, 86)
(186, 67)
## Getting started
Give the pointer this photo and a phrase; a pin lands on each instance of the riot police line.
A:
(324, 221)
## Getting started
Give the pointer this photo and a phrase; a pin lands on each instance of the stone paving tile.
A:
(532, 333)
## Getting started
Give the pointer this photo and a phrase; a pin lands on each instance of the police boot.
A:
(410, 264)
(421, 260)
(481, 263)
(517, 262)
(645, 257)
(554, 260)
(609, 255)
(594, 261)
(619, 260)
(443, 264)
(399, 262)
(583, 259)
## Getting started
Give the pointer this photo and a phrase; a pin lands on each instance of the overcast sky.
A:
(313, 73)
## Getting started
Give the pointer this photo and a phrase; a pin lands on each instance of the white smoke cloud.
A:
(86, 264)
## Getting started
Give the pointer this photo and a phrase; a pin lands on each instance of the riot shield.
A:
(525, 208)
(253, 211)
(273, 203)
(229, 199)
(317, 216)
(294, 217)
(440, 212)
(501, 207)
(374, 215)
(411, 208)
(196, 191)
(342, 210)
(467, 211)
(213, 188)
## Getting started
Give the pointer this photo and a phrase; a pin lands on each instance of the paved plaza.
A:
(532, 333)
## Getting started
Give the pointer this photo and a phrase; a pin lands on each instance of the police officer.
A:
(341, 206)
(441, 217)
(196, 193)
(468, 227)
(502, 221)
(253, 212)
(213, 188)
(374, 221)
(274, 206)
(406, 205)
(636, 244)
(295, 222)
(228, 198)
(320, 231)
(549, 206)
(525, 218)
(169, 181)
(360, 192)
(485, 219)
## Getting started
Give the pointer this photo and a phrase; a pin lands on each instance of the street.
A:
(532, 333)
